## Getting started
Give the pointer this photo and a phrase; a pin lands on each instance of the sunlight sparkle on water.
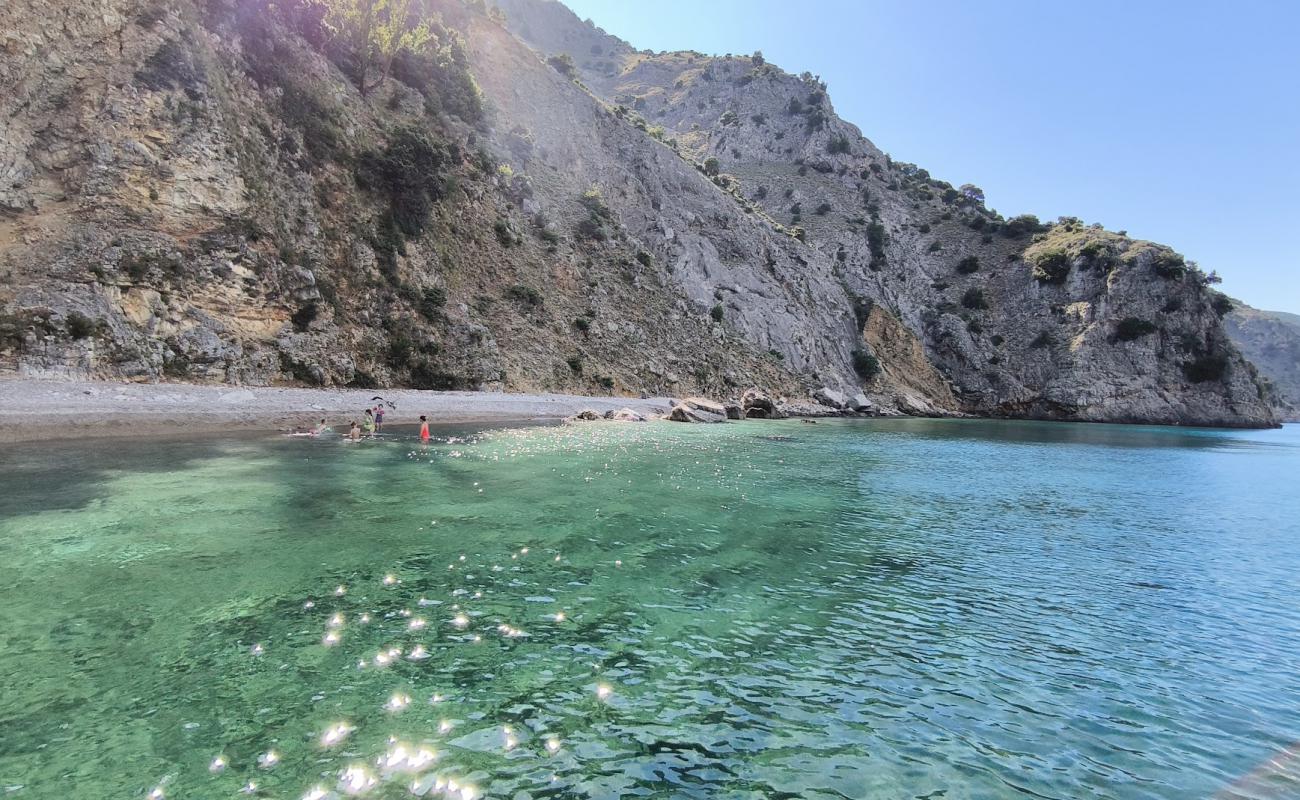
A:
(398, 702)
(335, 734)
(356, 779)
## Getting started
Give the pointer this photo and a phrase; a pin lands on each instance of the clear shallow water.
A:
(886, 609)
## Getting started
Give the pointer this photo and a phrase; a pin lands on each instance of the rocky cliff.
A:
(1271, 341)
(202, 191)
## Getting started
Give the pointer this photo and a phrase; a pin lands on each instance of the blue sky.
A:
(1176, 121)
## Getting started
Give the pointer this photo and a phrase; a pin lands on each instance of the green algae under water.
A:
(860, 609)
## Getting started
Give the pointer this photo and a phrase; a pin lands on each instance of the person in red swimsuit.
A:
(424, 429)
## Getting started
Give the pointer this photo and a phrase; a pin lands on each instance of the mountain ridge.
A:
(213, 199)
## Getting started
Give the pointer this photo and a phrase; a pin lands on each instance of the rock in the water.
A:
(684, 413)
(587, 414)
(734, 411)
(829, 397)
(625, 415)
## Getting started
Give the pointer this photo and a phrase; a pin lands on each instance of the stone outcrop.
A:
(831, 398)
(756, 404)
(696, 412)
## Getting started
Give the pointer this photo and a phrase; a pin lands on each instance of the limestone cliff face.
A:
(1112, 329)
(1271, 340)
(199, 191)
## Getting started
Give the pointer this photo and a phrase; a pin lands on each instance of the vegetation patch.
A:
(525, 295)
(1210, 367)
(408, 173)
(594, 227)
(1130, 328)
(1049, 265)
(865, 364)
(974, 299)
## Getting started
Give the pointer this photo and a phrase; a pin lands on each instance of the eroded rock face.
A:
(196, 191)
(969, 311)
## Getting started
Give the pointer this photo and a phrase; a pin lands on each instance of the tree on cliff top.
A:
(376, 31)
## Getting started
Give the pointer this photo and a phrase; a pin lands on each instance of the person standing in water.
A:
(379, 418)
(368, 423)
(424, 429)
(354, 433)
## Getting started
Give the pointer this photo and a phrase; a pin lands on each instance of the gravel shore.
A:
(36, 409)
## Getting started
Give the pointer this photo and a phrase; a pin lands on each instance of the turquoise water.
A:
(853, 609)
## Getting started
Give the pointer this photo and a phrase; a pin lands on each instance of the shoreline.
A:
(42, 410)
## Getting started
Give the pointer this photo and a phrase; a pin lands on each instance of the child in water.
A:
(354, 433)
(424, 429)
(379, 418)
(368, 424)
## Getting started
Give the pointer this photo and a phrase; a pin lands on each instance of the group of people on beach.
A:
(372, 424)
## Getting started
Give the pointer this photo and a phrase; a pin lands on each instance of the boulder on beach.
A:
(587, 414)
(624, 415)
(859, 402)
(734, 411)
(829, 397)
(756, 404)
(705, 405)
(685, 413)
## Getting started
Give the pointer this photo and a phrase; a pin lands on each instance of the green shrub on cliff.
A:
(1131, 328)
(1210, 367)
(374, 33)
(1049, 265)
(408, 172)
(974, 299)
(865, 364)
(1168, 264)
